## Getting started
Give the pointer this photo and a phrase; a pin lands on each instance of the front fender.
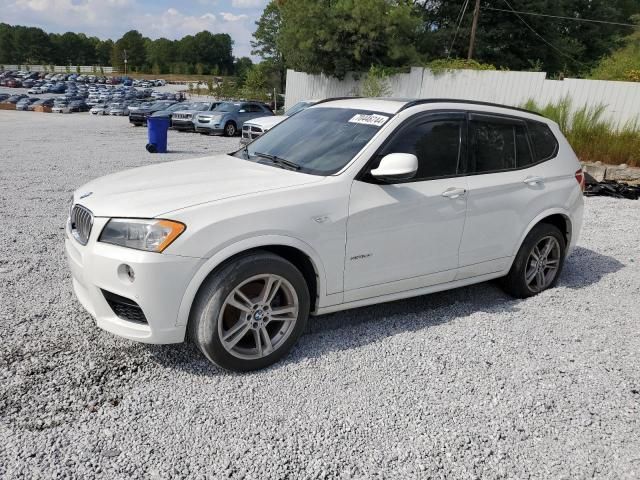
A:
(217, 258)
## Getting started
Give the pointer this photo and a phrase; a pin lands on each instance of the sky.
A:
(153, 18)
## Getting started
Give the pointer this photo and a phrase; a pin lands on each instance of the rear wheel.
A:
(538, 263)
(249, 314)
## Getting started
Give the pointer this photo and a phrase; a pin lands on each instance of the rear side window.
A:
(498, 144)
(545, 144)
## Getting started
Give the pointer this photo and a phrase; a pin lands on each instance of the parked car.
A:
(229, 117)
(184, 119)
(99, 109)
(24, 103)
(13, 83)
(15, 98)
(393, 199)
(4, 96)
(139, 115)
(118, 109)
(78, 106)
(45, 102)
(252, 129)
(168, 112)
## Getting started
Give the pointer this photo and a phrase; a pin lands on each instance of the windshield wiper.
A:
(278, 161)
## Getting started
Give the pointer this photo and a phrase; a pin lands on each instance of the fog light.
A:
(126, 273)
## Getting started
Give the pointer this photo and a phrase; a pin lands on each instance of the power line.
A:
(561, 52)
(533, 14)
(460, 18)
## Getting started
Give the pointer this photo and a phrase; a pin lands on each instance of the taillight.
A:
(580, 179)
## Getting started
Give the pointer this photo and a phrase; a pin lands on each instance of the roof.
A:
(395, 105)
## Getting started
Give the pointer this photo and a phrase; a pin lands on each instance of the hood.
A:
(155, 190)
(267, 122)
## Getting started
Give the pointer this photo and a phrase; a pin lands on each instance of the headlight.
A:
(148, 235)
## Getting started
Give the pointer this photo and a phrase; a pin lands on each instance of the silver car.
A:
(184, 119)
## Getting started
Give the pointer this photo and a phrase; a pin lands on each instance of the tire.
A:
(525, 264)
(230, 129)
(215, 315)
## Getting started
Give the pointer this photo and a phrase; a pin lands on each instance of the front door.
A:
(406, 235)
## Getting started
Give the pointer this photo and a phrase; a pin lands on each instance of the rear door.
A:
(508, 186)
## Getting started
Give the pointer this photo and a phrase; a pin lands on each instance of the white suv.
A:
(351, 202)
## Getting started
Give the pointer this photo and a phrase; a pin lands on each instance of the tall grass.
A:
(593, 137)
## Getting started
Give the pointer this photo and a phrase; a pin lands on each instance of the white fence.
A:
(96, 70)
(622, 99)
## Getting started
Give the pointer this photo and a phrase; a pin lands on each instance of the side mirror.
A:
(396, 166)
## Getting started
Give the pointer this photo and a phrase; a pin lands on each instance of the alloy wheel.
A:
(258, 316)
(543, 264)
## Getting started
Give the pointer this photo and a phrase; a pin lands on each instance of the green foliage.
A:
(504, 41)
(376, 83)
(266, 42)
(227, 90)
(242, 66)
(256, 86)
(338, 36)
(448, 64)
(623, 64)
(592, 137)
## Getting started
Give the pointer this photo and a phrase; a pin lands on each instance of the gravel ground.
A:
(461, 384)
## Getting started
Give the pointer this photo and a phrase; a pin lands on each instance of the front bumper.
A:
(208, 128)
(137, 118)
(159, 285)
(186, 125)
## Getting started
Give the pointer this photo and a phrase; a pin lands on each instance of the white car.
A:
(252, 129)
(350, 203)
(100, 109)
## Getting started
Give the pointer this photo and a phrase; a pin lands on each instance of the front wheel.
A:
(230, 129)
(249, 314)
(538, 263)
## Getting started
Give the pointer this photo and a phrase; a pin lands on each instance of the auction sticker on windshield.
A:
(373, 119)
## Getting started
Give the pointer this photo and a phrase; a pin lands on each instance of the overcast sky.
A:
(153, 18)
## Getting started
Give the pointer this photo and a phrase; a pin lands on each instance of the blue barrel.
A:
(157, 128)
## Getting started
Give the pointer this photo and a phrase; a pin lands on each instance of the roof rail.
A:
(423, 101)
(334, 99)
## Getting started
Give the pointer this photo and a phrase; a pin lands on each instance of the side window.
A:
(545, 145)
(498, 145)
(435, 143)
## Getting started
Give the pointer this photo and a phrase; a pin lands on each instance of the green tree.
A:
(623, 64)
(241, 68)
(256, 86)
(505, 41)
(133, 43)
(265, 41)
(337, 36)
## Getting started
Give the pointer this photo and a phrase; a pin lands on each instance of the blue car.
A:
(228, 117)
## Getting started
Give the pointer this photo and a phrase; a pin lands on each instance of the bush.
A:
(448, 64)
(376, 83)
(592, 137)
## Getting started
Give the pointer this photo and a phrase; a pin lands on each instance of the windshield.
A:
(199, 106)
(227, 107)
(160, 105)
(320, 141)
(180, 106)
(298, 107)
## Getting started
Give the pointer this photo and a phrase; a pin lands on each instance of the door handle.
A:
(534, 181)
(454, 193)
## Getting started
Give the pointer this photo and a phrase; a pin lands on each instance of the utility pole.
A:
(474, 28)
(125, 63)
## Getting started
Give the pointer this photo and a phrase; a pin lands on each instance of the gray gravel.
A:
(462, 384)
